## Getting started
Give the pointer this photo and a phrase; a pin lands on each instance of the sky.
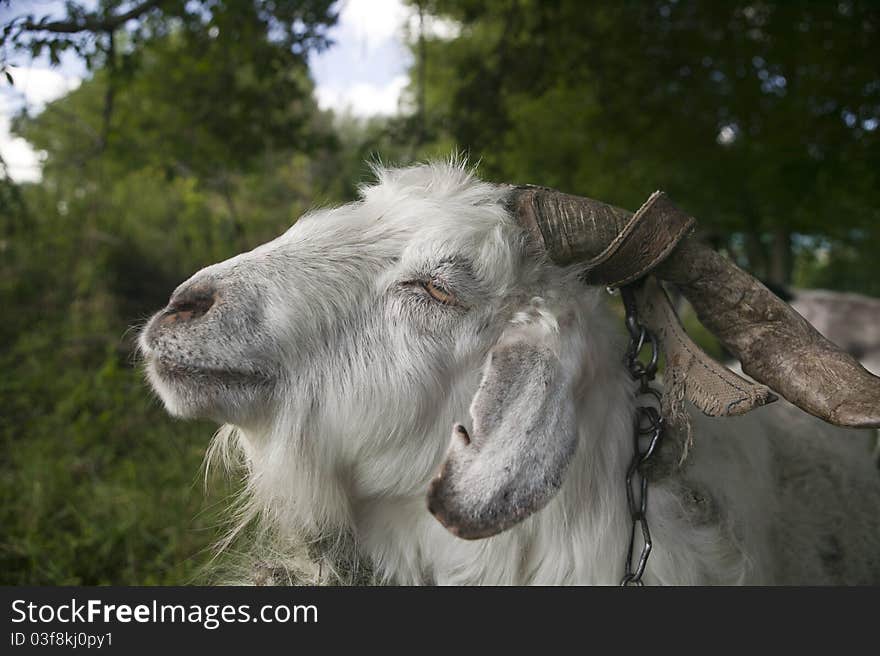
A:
(363, 73)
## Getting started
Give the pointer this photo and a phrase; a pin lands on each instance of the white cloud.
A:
(33, 89)
(365, 71)
(363, 99)
(23, 163)
(372, 22)
(37, 86)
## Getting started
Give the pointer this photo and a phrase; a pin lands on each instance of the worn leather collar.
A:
(646, 240)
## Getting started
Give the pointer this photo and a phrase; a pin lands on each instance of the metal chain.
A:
(647, 435)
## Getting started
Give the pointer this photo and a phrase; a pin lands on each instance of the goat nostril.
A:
(190, 304)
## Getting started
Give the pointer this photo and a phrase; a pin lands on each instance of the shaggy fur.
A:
(340, 377)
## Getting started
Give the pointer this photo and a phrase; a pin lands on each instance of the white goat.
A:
(341, 353)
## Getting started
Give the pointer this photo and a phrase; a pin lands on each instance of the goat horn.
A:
(775, 345)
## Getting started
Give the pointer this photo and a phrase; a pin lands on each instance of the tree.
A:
(210, 91)
(761, 118)
(272, 38)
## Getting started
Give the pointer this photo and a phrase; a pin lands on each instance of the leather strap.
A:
(690, 372)
(646, 240)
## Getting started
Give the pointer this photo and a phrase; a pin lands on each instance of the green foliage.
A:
(763, 119)
(89, 29)
(97, 485)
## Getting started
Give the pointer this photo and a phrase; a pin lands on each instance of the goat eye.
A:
(439, 294)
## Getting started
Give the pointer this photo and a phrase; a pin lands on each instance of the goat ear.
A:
(523, 437)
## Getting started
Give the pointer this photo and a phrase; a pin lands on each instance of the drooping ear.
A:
(523, 437)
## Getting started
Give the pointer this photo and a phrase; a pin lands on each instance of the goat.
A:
(850, 320)
(340, 353)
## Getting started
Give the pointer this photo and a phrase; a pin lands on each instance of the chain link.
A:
(647, 435)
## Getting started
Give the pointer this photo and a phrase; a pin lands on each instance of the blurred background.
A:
(143, 140)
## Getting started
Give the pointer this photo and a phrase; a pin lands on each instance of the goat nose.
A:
(190, 303)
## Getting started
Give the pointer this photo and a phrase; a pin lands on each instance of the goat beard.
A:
(299, 561)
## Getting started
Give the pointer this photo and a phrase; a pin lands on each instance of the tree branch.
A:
(90, 23)
(111, 91)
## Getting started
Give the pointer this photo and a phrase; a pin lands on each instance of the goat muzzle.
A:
(189, 304)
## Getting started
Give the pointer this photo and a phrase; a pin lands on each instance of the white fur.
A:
(367, 375)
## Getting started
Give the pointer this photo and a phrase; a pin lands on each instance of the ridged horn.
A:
(775, 345)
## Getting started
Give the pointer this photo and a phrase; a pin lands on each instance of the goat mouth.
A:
(187, 372)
